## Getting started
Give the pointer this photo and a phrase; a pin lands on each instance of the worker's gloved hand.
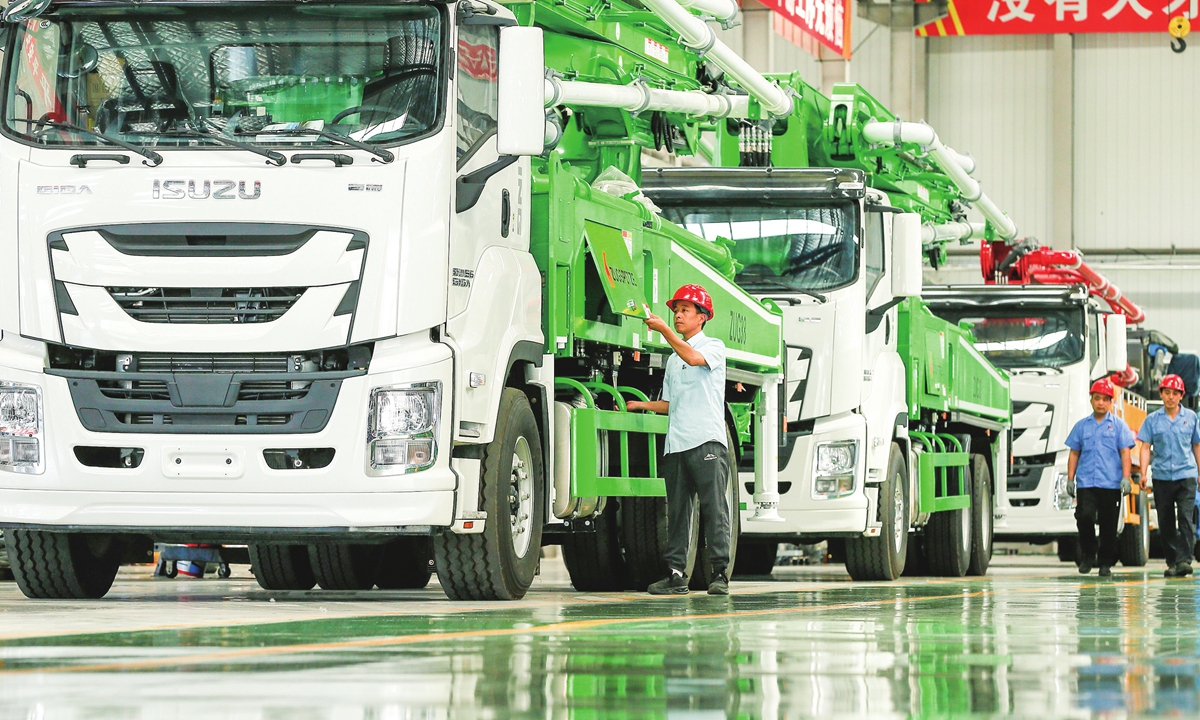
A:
(1071, 487)
(1126, 486)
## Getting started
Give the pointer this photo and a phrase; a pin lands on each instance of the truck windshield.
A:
(781, 247)
(154, 75)
(1024, 337)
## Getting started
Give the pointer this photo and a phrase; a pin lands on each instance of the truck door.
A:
(880, 330)
(493, 211)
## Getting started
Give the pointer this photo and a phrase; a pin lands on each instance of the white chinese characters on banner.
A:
(824, 19)
(1192, 11)
(1120, 5)
(1017, 10)
(1063, 7)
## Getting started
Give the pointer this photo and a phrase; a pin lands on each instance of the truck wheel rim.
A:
(898, 528)
(520, 497)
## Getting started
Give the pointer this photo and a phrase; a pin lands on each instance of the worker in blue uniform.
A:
(1099, 466)
(1172, 436)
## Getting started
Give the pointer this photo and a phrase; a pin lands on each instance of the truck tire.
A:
(1133, 546)
(500, 562)
(404, 564)
(916, 562)
(643, 534)
(702, 575)
(1068, 548)
(981, 516)
(755, 557)
(882, 557)
(282, 567)
(63, 566)
(948, 539)
(343, 566)
(594, 559)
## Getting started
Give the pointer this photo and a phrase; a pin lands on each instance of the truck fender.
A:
(499, 331)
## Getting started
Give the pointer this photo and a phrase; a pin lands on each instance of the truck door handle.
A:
(505, 211)
(470, 186)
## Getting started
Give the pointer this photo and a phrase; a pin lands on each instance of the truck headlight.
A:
(1063, 498)
(836, 469)
(20, 428)
(403, 426)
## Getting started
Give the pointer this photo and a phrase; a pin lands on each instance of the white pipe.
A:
(639, 97)
(766, 454)
(947, 160)
(723, 11)
(696, 35)
(951, 231)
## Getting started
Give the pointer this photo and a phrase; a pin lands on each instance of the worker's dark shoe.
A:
(719, 585)
(1183, 569)
(1085, 567)
(1171, 571)
(1105, 571)
(674, 584)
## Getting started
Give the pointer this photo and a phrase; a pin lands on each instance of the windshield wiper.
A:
(383, 155)
(784, 286)
(277, 159)
(153, 158)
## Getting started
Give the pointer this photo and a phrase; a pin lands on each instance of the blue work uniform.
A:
(1098, 475)
(1099, 445)
(1174, 476)
(1172, 441)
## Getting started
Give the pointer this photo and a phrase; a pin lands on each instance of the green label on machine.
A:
(612, 251)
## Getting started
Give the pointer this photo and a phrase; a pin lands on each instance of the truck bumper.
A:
(803, 514)
(1033, 514)
(230, 485)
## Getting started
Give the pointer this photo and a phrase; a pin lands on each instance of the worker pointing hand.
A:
(696, 460)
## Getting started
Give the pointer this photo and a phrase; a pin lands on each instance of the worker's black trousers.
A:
(703, 473)
(1097, 506)
(1175, 500)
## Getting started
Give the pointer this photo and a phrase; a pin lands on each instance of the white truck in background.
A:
(1054, 341)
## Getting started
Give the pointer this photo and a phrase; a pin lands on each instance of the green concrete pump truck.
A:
(897, 428)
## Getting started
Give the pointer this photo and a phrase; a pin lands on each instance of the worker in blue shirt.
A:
(696, 459)
(1099, 466)
(1173, 436)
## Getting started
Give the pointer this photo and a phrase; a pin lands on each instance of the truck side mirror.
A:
(521, 121)
(1116, 351)
(906, 255)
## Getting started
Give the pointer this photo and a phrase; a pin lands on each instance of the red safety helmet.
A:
(694, 294)
(1103, 387)
(1174, 382)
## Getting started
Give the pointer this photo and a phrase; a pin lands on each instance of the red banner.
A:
(827, 21)
(1041, 17)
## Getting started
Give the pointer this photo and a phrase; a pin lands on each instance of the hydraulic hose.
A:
(638, 97)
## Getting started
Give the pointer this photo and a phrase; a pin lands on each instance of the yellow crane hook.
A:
(1178, 27)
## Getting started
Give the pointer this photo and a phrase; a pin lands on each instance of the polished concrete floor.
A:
(1032, 639)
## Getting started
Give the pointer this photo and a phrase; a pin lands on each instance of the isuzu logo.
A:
(63, 190)
(202, 190)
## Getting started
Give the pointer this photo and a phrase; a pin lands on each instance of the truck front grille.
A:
(205, 306)
(192, 393)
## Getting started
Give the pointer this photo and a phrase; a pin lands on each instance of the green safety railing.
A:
(943, 452)
(586, 424)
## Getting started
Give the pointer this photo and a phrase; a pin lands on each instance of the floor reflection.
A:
(1033, 646)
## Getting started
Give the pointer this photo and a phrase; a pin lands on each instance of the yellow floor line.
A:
(554, 628)
(579, 599)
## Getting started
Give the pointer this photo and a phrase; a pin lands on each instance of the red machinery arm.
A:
(1026, 262)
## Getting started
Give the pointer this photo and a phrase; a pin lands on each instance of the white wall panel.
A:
(990, 97)
(1137, 159)
(871, 65)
